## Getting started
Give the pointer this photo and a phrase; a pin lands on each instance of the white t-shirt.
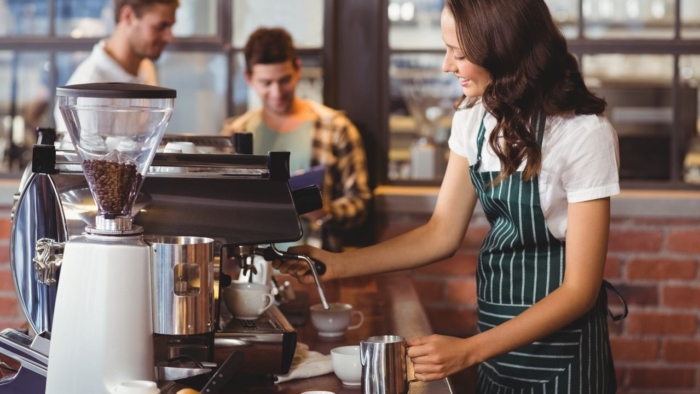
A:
(580, 159)
(100, 67)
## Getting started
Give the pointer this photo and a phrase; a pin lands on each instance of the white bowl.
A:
(346, 364)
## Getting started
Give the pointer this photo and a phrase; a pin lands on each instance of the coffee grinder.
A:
(103, 327)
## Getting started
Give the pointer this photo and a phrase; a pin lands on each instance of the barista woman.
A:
(529, 141)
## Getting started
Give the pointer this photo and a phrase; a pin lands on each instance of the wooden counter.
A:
(390, 306)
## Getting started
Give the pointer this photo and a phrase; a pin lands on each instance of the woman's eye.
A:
(459, 57)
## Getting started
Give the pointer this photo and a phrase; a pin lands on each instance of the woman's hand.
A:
(437, 356)
(300, 268)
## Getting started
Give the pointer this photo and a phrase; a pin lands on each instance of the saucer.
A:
(335, 334)
(352, 384)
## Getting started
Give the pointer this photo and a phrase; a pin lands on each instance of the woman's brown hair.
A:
(526, 56)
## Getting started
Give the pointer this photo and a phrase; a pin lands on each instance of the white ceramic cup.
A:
(180, 147)
(247, 301)
(137, 387)
(334, 322)
(347, 365)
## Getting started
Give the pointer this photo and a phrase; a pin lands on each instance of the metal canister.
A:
(384, 368)
(182, 285)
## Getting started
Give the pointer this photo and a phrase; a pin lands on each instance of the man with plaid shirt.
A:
(313, 133)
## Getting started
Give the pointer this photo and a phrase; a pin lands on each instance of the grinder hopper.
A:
(115, 129)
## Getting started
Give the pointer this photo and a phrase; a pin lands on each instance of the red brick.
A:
(430, 290)
(661, 323)
(459, 264)
(8, 307)
(612, 268)
(665, 222)
(13, 323)
(684, 241)
(634, 349)
(661, 268)
(638, 295)
(615, 327)
(661, 378)
(475, 237)
(452, 321)
(681, 296)
(682, 351)
(4, 254)
(635, 240)
(462, 291)
(6, 281)
(5, 225)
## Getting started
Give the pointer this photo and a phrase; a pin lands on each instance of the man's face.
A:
(275, 84)
(149, 34)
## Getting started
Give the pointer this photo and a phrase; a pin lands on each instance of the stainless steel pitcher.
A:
(384, 369)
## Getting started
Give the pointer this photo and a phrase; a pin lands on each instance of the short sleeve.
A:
(592, 161)
(464, 128)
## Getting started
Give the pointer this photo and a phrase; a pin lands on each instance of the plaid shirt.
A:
(338, 145)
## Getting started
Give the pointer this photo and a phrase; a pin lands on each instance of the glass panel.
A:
(422, 100)
(565, 14)
(24, 104)
(196, 18)
(628, 18)
(200, 81)
(302, 18)
(690, 80)
(639, 92)
(84, 18)
(24, 18)
(690, 18)
(415, 24)
(310, 86)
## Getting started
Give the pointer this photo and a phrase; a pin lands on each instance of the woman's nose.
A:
(447, 65)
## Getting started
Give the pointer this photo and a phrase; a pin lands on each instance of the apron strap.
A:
(608, 286)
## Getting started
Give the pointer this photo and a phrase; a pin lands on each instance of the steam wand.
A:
(317, 267)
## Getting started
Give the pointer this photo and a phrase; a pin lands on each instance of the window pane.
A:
(422, 100)
(24, 104)
(690, 18)
(639, 91)
(690, 79)
(200, 81)
(415, 24)
(196, 18)
(24, 18)
(628, 18)
(84, 18)
(302, 18)
(310, 86)
(565, 14)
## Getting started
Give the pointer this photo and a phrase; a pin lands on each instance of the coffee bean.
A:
(113, 184)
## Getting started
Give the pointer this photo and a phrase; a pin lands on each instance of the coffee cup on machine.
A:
(333, 322)
(248, 301)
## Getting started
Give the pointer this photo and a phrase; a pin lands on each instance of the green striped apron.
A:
(520, 262)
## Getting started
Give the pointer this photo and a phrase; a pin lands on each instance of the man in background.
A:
(143, 29)
(313, 133)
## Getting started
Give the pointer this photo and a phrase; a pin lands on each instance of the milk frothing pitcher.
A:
(384, 367)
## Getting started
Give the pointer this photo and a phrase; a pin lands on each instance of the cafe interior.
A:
(380, 62)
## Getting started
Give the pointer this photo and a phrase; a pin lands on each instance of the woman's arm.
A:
(434, 241)
(436, 357)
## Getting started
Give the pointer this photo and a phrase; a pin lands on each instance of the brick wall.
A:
(652, 262)
(10, 312)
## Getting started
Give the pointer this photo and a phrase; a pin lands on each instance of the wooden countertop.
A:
(390, 306)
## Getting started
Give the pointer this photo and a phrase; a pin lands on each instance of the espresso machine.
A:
(182, 214)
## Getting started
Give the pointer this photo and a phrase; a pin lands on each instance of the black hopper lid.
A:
(116, 90)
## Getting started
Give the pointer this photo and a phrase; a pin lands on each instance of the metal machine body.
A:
(234, 199)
